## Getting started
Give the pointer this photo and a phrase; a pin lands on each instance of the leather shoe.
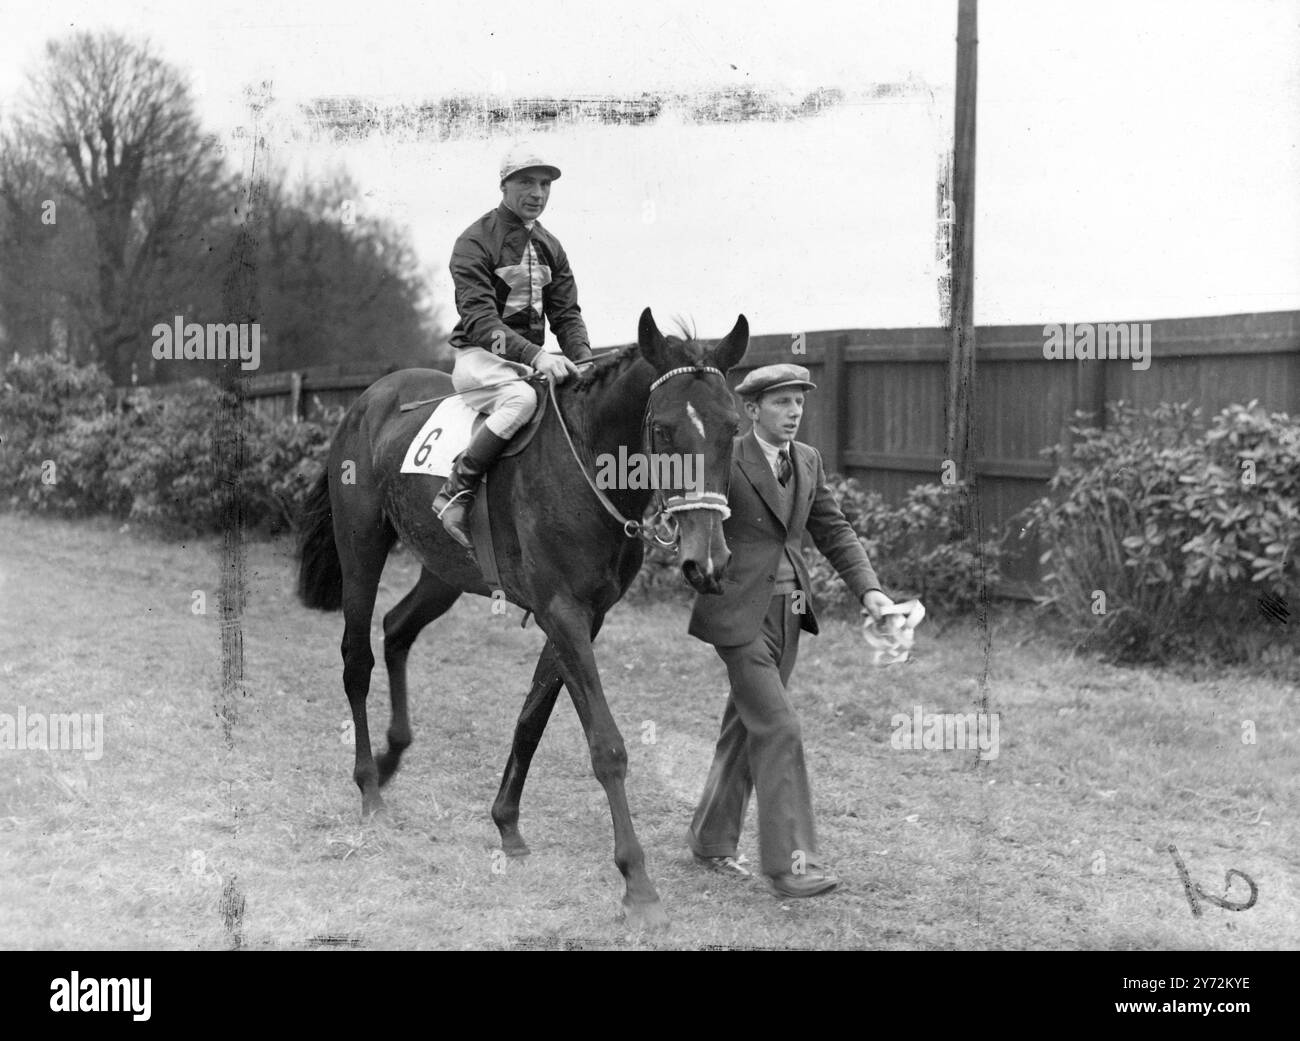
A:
(725, 865)
(810, 883)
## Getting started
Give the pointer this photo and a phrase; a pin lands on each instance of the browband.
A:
(685, 368)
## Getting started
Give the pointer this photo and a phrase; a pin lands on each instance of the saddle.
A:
(480, 524)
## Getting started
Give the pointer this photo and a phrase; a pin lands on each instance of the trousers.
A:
(760, 750)
(476, 376)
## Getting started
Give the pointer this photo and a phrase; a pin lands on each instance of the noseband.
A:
(662, 521)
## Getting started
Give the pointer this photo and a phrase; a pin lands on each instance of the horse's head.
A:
(691, 421)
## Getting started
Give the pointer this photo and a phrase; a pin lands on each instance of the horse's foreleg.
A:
(428, 599)
(569, 627)
(533, 718)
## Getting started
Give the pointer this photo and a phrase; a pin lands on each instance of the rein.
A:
(665, 507)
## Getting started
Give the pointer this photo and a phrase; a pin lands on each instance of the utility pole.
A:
(961, 356)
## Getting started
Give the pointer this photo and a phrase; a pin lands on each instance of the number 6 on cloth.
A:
(443, 436)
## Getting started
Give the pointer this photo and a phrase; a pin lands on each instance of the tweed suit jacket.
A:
(756, 536)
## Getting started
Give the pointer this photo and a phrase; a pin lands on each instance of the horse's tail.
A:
(320, 575)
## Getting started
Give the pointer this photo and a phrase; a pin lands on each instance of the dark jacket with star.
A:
(506, 292)
(757, 535)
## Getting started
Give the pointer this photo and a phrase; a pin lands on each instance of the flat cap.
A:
(525, 155)
(771, 377)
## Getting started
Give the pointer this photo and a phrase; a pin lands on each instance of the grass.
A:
(1061, 842)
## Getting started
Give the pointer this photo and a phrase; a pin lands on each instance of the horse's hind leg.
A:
(533, 718)
(362, 554)
(428, 599)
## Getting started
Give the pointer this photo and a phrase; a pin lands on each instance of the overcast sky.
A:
(1136, 159)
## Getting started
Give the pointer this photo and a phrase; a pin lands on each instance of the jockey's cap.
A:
(524, 155)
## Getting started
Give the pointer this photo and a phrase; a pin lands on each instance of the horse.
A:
(565, 550)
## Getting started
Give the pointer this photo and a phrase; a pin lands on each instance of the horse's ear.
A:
(732, 347)
(650, 340)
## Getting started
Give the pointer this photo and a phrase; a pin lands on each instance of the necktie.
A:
(783, 468)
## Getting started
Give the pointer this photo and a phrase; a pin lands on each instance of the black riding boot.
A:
(452, 503)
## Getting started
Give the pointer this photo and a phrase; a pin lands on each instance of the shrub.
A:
(1163, 536)
(41, 399)
(159, 457)
(175, 455)
(915, 547)
(289, 458)
(167, 457)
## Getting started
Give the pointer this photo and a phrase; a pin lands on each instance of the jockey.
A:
(510, 275)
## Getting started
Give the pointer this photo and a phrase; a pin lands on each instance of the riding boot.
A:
(454, 501)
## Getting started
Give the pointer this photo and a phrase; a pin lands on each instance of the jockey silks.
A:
(510, 280)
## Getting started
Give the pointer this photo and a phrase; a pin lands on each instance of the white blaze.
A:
(695, 418)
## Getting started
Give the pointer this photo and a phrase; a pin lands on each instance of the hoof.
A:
(388, 765)
(646, 917)
(391, 758)
(517, 850)
(513, 844)
(373, 808)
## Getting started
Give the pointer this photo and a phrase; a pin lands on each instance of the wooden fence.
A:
(877, 413)
(310, 393)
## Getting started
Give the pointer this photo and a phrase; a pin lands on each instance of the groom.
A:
(778, 491)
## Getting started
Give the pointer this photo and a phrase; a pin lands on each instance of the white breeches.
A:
(508, 406)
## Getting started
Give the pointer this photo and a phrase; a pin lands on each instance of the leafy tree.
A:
(336, 286)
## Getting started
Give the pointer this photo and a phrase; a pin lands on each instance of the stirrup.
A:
(463, 494)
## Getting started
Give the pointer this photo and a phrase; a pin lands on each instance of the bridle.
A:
(662, 521)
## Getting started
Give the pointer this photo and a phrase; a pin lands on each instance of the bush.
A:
(915, 548)
(156, 457)
(1162, 537)
(289, 458)
(41, 399)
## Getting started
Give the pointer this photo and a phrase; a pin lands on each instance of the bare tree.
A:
(151, 225)
(117, 127)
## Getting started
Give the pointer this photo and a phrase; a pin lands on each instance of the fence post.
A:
(833, 425)
(295, 396)
(961, 397)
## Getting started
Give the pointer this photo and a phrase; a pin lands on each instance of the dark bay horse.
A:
(560, 552)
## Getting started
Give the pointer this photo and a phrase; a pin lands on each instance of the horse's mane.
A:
(605, 367)
(614, 363)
